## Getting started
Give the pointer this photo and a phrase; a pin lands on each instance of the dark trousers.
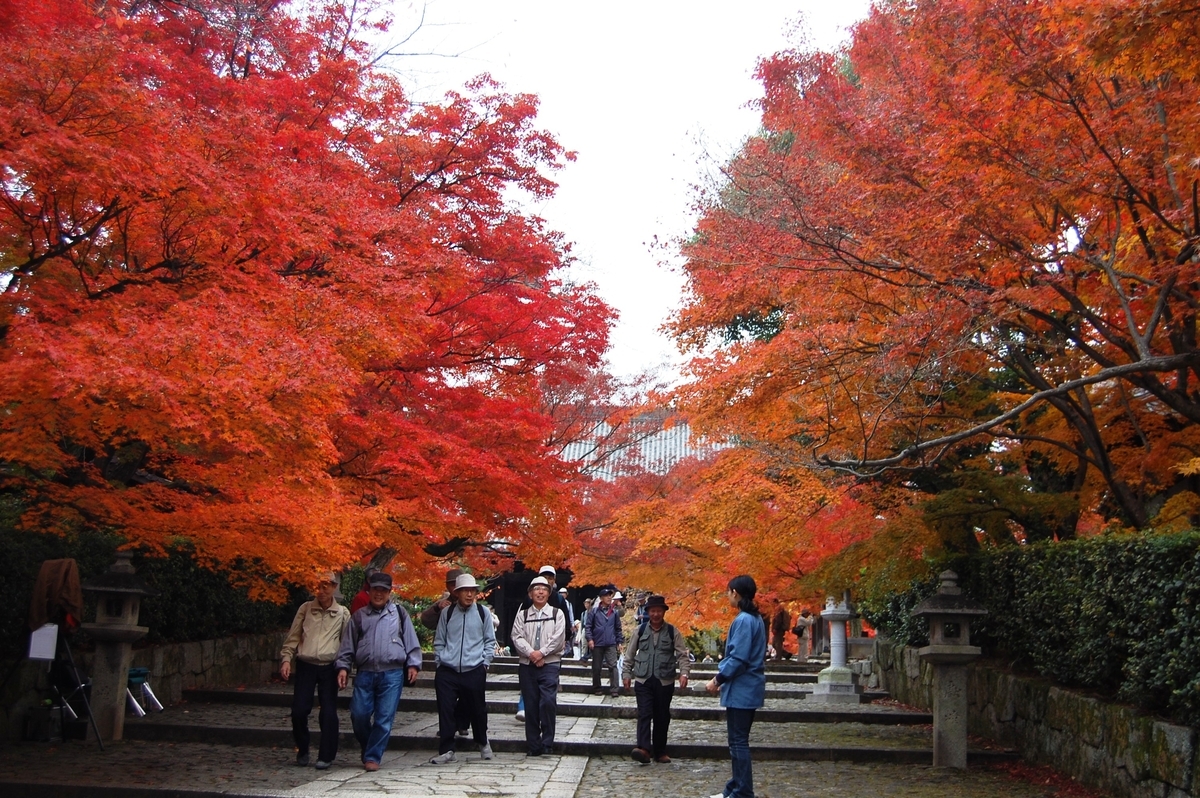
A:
(737, 724)
(305, 677)
(460, 695)
(654, 714)
(605, 657)
(539, 688)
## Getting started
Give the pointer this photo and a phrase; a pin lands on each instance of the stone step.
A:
(588, 726)
(504, 741)
(584, 670)
(424, 701)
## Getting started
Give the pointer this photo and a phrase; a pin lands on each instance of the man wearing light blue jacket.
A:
(381, 642)
(463, 646)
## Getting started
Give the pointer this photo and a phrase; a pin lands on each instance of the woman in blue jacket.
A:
(742, 681)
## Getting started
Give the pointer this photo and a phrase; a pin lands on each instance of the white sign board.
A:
(43, 642)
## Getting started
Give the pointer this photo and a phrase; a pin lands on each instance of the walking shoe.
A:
(640, 755)
(486, 751)
(520, 715)
(662, 759)
(302, 759)
(615, 693)
(443, 759)
(462, 734)
(597, 692)
(323, 765)
(371, 766)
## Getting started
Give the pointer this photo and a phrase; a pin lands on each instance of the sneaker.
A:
(486, 751)
(371, 766)
(302, 759)
(662, 759)
(323, 765)
(615, 694)
(597, 692)
(640, 755)
(462, 734)
(443, 759)
(520, 714)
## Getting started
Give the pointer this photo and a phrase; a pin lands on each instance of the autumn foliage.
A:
(255, 298)
(957, 276)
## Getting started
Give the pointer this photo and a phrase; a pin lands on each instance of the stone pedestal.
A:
(110, 677)
(949, 650)
(835, 684)
(118, 599)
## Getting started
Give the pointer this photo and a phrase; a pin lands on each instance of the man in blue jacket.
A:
(381, 642)
(463, 646)
(604, 638)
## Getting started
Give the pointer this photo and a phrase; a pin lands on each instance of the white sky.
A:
(650, 94)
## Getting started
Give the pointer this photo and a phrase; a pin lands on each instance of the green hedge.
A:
(1117, 614)
(194, 602)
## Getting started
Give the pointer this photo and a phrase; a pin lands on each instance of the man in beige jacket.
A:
(538, 636)
(312, 646)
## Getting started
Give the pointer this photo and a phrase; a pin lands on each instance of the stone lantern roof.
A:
(949, 600)
(119, 578)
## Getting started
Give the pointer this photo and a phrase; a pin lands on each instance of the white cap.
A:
(548, 569)
(618, 596)
(539, 580)
(464, 580)
(562, 590)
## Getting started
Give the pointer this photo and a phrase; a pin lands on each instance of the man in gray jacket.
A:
(463, 646)
(381, 642)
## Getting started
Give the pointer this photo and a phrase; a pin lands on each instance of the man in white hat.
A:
(463, 646)
(538, 636)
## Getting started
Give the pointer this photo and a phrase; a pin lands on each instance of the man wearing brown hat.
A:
(312, 646)
(656, 653)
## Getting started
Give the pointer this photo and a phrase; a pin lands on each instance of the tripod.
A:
(67, 683)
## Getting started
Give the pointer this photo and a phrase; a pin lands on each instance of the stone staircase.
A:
(789, 727)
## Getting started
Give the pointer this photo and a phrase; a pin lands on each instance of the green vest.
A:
(659, 661)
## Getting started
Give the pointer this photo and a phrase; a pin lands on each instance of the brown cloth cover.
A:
(56, 591)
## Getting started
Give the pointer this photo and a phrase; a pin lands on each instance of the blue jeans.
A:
(375, 693)
(738, 722)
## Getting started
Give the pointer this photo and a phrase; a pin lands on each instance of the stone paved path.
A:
(233, 770)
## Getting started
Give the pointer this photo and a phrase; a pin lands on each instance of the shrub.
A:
(1118, 614)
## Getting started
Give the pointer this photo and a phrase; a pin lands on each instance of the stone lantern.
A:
(949, 650)
(835, 684)
(119, 593)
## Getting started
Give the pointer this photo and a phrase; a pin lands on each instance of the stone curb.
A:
(282, 738)
(897, 718)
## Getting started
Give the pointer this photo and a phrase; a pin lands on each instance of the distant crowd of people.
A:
(375, 638)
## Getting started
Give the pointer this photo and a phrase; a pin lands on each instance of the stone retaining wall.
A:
(174, 667)
(1107, 746)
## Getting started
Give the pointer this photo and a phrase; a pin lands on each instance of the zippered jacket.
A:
(604, 626)
(464, 639)
(380, 640)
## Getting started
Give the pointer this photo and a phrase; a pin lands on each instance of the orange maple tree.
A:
(255, 298)
(967, 241)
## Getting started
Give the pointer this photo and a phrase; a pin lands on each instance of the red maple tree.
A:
(257, 299)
